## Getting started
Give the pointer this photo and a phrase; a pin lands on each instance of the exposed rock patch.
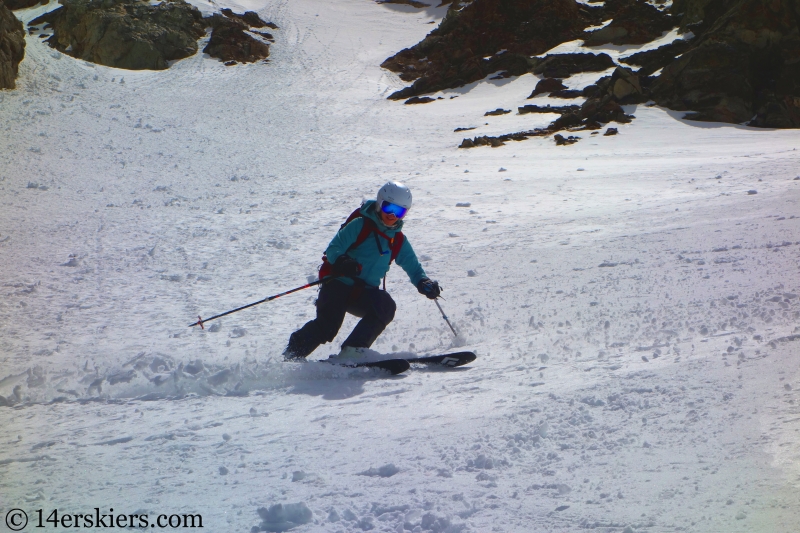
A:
(125, 34)
(12, 47)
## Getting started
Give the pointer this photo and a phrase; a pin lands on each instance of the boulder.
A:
(230, 41)
(547, 85)
(126, 34)
(485, 36)
(12, 47)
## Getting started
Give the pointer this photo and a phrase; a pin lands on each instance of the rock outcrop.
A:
(127, 34)
(231, 41)
(743, 67)
(485, 36)
(12, 47)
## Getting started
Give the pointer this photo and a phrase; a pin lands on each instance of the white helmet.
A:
(395, 193)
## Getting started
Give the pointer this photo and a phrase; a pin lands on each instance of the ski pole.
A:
(436, 301)
(200, 320)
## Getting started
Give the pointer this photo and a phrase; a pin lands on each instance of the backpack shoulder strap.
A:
(354, 215)
(397, 243)
(366, 229)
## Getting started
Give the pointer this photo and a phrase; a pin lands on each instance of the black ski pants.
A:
(375, 307)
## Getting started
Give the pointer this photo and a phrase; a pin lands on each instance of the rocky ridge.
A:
(738, 61)
(12, 47)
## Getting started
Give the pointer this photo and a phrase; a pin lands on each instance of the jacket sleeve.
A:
(407, 259)
(343, 239)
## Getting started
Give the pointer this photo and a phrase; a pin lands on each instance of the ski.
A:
(450, 360)
(394, 366)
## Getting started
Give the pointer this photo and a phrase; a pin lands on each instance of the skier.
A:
(358, 257)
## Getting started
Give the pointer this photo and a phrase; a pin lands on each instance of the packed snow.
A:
(633, 300)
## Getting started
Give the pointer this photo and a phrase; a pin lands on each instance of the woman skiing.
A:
(355, 261)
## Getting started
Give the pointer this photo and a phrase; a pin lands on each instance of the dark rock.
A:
(265, 35)
(567, 120)
(250, 18)
(565, 65)
(464, 129)
(453, 54)
(625, 85)
(712, 79)
(524, 110)
(497, 112)
(745, 63)
(652, 60)
(12, 47)
(634, 22)
(567, 93)
(610, 131)
(231, 44)
(547, 85)
(698, 16)
(125, 33)
(591, 90)
(467, 143)
(13, 5)
(419, 100)
(561, 140)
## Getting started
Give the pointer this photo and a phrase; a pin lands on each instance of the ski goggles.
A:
(393, 209)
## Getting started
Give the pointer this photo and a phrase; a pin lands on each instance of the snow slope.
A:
(634, 308)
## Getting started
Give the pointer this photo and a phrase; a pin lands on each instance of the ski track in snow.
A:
(634, 310)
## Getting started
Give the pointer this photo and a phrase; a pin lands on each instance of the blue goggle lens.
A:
(394, 209)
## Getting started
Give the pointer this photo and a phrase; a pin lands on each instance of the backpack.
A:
(395, 243)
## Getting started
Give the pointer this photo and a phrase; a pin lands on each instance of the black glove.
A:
(429, 288)
(346, 266)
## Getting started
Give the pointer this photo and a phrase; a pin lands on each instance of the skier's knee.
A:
(386, 309)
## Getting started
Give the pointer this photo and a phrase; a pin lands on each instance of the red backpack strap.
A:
(368, 227)
(396, 243)
(354, 215)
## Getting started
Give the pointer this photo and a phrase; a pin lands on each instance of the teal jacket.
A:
(374, 266)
